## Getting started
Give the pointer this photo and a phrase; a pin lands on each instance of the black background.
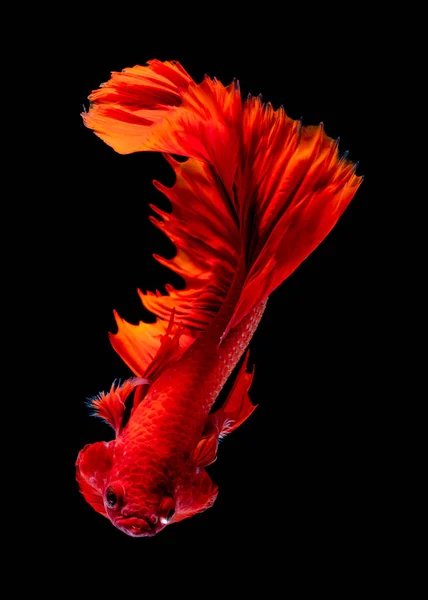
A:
(298, 480)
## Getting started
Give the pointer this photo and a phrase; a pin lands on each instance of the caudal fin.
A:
(256, 186)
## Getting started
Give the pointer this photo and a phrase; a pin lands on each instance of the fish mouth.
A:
(135, 526)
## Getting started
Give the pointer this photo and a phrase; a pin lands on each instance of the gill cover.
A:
(93, 467)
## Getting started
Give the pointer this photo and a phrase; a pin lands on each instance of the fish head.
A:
(119, 491)
(140, 498)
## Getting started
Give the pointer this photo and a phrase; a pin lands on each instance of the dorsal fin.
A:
(205, 233)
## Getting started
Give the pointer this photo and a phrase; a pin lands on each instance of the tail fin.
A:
(257, 184)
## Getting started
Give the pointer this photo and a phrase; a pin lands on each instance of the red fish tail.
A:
(292, 189)
(257, 195)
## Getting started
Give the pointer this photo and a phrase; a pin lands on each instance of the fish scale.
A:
(175, 409)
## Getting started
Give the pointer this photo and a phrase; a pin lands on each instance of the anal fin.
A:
(236, 409)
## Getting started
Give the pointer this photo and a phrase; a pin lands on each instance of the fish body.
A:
(257, 193)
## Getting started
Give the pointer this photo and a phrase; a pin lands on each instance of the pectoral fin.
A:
(111, 406)
(205, 452)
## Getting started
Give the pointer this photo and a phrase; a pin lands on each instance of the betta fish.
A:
(255, 193)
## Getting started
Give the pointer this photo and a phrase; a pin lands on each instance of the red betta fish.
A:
(256, 195)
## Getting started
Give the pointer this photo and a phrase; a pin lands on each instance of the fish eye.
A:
(166, 510)
(114, 495)
(111, 497)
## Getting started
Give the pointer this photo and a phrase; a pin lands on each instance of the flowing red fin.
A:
(238, 406)
(93, 466)
(111, 406)
(203, 227)
(257, 184)
(168, 352)
(236, 409)
(137, 345)
(295, 186)
(124, 110)
(158, 107)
